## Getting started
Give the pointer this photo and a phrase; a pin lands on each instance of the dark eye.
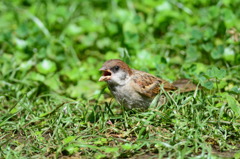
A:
(115, 68)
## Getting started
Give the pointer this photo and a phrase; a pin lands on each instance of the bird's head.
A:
(115, 72)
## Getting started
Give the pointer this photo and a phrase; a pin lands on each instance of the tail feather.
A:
(185, 85)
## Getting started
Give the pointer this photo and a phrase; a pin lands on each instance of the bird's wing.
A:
(149, 85)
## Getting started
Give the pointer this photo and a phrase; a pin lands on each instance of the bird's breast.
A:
(128, 97)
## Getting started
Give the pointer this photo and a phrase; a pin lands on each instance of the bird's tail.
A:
(185, 85)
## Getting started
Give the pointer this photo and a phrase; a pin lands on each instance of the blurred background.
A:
(59, 45)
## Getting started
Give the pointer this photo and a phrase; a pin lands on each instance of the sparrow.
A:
(137, 89)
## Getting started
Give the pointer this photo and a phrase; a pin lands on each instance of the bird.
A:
(137, 89)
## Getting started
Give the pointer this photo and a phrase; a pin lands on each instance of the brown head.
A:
(114, 71)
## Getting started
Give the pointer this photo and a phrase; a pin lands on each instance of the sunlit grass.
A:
(49, 126)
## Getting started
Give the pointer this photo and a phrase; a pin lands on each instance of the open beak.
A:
(106, 74)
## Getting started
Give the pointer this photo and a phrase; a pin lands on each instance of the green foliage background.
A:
(61, 44)
(55, 47)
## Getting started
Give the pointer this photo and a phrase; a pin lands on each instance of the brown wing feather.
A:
(149, 85)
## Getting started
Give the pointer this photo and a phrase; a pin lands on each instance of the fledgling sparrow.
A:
(136, 89)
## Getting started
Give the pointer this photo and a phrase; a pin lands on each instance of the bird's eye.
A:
(115, 68)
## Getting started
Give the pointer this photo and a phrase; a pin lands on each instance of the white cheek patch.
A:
(119, 78)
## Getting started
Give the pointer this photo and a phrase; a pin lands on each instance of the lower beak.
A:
(104, 78)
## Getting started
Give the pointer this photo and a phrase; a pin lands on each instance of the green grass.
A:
(52, 105)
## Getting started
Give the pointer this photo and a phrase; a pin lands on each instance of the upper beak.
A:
(106, 74)
(102, 69)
